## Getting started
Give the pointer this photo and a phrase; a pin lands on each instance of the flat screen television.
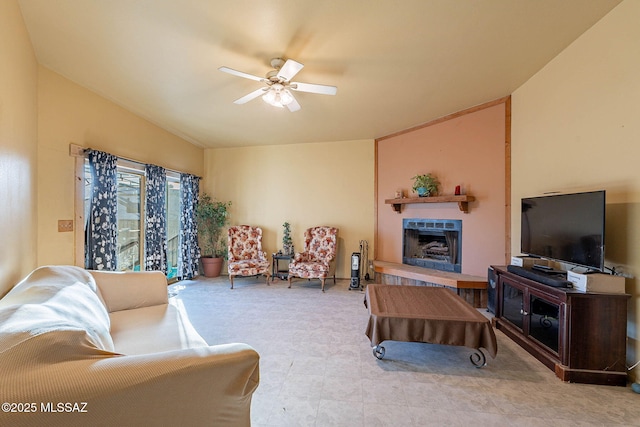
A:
(565, 227)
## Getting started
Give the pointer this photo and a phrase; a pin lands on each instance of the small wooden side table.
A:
(276, 271)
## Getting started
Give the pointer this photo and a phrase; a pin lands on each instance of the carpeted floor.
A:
(317, 367)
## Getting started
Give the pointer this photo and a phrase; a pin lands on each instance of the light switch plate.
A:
(65, 225)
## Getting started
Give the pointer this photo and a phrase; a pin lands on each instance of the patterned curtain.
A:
(102, 223)
(155, 237)
(189, 251)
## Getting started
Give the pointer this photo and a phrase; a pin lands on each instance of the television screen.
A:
(565, 227)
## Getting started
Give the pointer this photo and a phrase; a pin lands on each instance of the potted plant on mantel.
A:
(425, 185)
(212, 216)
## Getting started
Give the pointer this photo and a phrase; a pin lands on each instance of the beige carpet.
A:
(317, 368)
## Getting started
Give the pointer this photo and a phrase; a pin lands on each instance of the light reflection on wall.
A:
(17, 210)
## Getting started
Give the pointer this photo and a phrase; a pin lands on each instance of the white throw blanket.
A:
(54, 299)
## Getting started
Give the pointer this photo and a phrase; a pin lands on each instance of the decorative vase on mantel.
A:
(422, 192)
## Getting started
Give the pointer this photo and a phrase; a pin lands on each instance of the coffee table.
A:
(426, 314)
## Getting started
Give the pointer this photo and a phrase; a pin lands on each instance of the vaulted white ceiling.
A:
(396, 63)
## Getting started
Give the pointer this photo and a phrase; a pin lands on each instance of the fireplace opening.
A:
(433, 243)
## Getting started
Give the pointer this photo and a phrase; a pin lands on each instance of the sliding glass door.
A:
(130, 217)
(130, 189)
(173, 224)
(129, 223)
(130, 236)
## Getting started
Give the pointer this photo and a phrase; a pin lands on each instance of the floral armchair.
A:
(246, 257)
(316, 261)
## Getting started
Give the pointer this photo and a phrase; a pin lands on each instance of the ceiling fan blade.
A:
(293, 105)
(240, 74)
(256, 93)
(313, 88)
(289, 69)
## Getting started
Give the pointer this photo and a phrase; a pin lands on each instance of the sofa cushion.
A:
(131, 289)
(50, 299)
(153, 329)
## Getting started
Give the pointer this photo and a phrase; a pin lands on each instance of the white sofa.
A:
(80, 348)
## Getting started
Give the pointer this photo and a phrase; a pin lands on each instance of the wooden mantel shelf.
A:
(462, 201)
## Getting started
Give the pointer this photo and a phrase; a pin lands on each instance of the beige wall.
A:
(18, 147)
(68, 113)
(467, 150)
(576, 127)
(304, 184)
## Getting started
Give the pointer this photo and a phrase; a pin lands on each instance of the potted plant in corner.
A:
(212, 216)
(425, 185)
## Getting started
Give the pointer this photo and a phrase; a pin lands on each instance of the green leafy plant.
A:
(427, 181)
(286, 238)
(212, 215)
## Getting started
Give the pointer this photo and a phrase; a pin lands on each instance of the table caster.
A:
(378, 351)
(478, 359)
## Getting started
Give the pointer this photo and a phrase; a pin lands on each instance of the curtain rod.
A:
(79, 151)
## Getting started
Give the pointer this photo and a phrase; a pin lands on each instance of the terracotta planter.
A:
(211, 266)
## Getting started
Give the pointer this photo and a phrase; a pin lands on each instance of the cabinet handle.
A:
(524, 313)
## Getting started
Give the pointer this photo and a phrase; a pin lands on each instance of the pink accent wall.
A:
(468, 150)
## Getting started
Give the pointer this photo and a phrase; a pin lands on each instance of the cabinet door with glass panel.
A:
(545, 315)
(513, 300)
(536, 315)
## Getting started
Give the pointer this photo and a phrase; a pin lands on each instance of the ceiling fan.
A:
(278, 82)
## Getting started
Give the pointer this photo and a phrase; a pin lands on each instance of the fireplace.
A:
(432, 243)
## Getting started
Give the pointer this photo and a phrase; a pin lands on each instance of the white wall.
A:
(69, 113)
(327, 183)
(576, 126)
(18, 147)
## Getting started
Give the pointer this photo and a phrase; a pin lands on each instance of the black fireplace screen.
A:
(433, 243)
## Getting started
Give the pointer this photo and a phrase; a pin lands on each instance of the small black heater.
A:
(355, 271)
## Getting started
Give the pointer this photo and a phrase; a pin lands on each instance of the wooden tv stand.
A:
(581, 336)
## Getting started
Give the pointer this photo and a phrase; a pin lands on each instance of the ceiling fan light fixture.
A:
(269, 97)
(278, 96)
(273, 98)
(285, 97)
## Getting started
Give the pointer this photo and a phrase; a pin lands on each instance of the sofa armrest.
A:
(201, 386)
(124, 290)
(194, 387)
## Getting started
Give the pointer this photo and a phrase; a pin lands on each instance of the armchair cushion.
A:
(249, 267)
(309, 270)
(302, 257)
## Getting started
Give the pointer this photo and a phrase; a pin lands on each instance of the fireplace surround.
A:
(432, 243)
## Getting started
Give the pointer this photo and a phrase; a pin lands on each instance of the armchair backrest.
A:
(321, 243)
(245, 242)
